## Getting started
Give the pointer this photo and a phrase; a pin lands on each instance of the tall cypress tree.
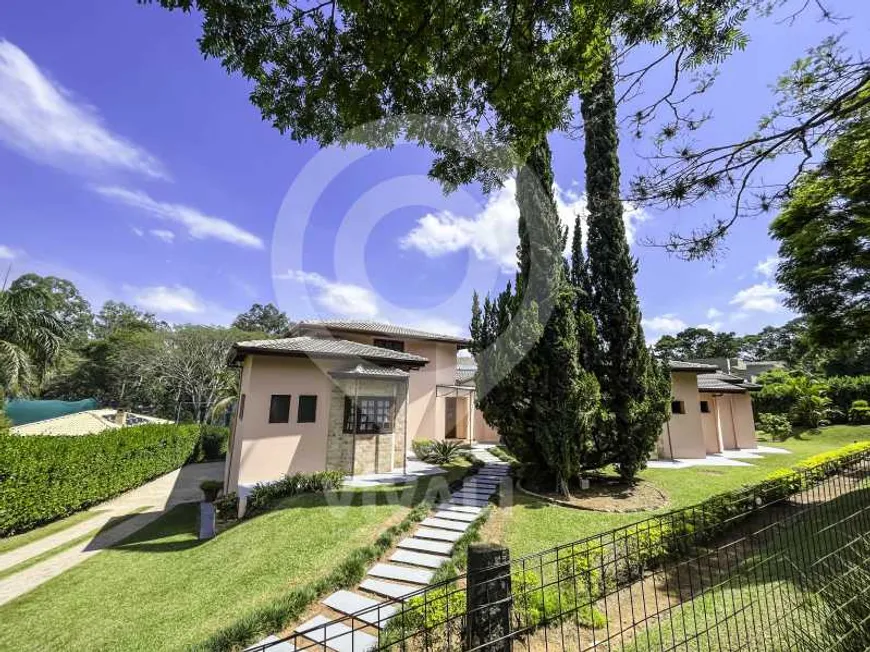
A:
(634, 388)
(544, 403)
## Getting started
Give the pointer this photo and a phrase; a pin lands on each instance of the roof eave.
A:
(298, 329)
(239, 353)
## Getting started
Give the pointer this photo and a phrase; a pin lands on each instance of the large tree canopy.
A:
(692, 343)
(824, 235)
(263, 318)
(461, 76)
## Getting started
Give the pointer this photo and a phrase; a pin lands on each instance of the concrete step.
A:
(337, 637)
(466, 509)
(401, 573)
(455, 516)
(444, 524)
(350, 603)
(438, 535)
(486, 493)
(465, 495)
(285, 646)
(422, 559)
(426, 545)
(469, 502)
(387, 589)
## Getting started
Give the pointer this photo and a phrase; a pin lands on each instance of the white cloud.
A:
(138, 231)
(767, 267)
(163, 234)
(492, 233)
(7, 253)
(761, 297)
(712, 326)
(669, 323)
(43, 121)
(712, 313)
(343, 299)
(199, 225)
(167, 300)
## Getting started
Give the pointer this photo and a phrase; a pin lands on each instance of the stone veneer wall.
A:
(365, 453)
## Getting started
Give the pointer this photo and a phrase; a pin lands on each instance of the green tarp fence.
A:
(23, 411)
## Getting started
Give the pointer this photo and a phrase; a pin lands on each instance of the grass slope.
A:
(162, 589)
(532, 525)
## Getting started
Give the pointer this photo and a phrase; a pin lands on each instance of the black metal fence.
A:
(741, 571)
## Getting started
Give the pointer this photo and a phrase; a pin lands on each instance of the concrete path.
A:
(155, 497)
(408, 570)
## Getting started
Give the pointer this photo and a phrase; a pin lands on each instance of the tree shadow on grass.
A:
(178, 528)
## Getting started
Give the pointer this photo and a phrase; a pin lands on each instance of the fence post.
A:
(488, 598)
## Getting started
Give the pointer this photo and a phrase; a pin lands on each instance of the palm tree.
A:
(30, 333)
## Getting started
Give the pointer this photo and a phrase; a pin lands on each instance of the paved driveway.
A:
(148, 502)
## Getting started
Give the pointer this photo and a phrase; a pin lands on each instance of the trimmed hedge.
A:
(45, 478)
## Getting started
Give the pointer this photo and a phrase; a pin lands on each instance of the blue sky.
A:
(141, 172)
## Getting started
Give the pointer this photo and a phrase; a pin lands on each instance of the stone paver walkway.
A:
(408, 570)
(157, 497)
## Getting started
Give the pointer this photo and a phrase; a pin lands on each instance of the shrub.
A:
(859, 412)
(421, 447)
(845, 390)
(227, 506)
(213, 443)
(775, 425)
(443, 452)
(211, 489)
(46, 478)
(264, 495)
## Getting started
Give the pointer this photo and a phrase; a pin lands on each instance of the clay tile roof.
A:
(363, 370)
(325, 348)
(709, 383)
(374, 328)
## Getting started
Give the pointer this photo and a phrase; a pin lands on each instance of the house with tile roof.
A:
(86, 422)
(349, 396)
(711, 412)
(352, 396)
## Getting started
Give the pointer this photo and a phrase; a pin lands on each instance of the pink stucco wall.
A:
(263, 451)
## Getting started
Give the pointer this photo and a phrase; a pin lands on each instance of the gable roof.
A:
(373, 328)
(315, 347)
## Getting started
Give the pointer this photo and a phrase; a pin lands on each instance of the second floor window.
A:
(393, 345)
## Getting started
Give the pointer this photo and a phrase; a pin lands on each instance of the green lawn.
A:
(758, 606)
(532, 525)
(161, 589)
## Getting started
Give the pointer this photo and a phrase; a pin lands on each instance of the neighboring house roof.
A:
(373, 328)
(718, 382)
(728, 378)
(325, 348)
(89, 422)
(465, 374)
(363, 370)
(698, 367)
